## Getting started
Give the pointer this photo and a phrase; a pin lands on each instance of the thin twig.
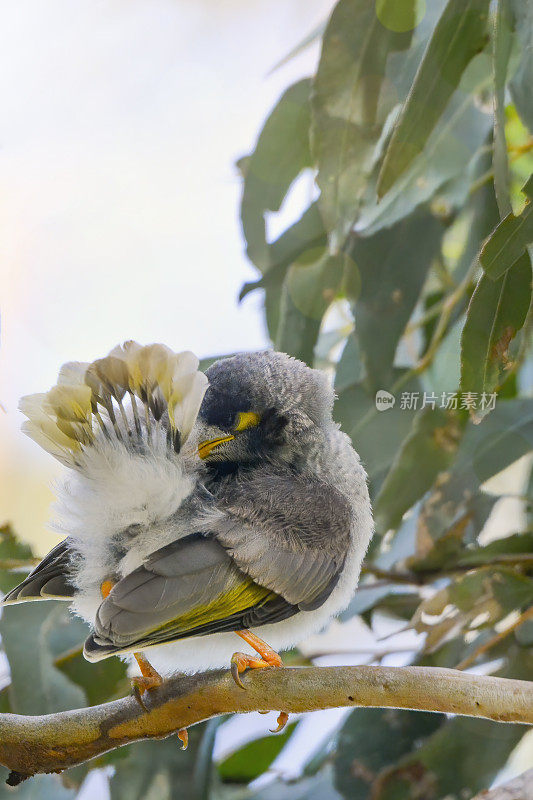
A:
(492, 642)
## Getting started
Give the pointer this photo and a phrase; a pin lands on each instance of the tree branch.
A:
(51, 743)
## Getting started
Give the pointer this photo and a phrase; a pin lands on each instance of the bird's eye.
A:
(246, 419)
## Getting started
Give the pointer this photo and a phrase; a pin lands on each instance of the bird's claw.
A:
(282, 721)
(137, 694)
(183, 736)
(241, 662)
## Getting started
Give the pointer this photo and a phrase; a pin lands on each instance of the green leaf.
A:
(392, 264)
(501, 51)
(348, 106)
(497, 311)
(522, 80)
(507, 243)
(159, 770)
(101, 681)
(371, 740)
(428, 450)
(31, 634)
(311, 284)
(501, 438)
(516, 544)
(254, 758)
(350, 368)
(317, 787)
(449, 158)
(376, 435)
(460, 34)
(281, 153)
(307, 234)
(13, 555)
(459, 759)
(306, 42)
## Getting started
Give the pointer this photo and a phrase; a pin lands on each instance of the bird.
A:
(198, 507)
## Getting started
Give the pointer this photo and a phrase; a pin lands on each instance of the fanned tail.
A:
(133, 395)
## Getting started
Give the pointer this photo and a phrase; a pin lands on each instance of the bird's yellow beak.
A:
(204, 448)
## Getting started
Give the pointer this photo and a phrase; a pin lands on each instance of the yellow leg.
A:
(148, 680)
(183, 735)
(266, 652)
(268, 658)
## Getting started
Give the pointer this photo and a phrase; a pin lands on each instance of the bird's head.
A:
(261, 406)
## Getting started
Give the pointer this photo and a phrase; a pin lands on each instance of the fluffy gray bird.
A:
(252, 516)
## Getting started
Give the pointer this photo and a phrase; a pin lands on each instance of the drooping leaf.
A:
(253, 758)
(428, 450)
(306, 235)
(350, 368)
(372, 739)
(348, 107)
(101, 682)
(447, 164)
(393, 264)
(457, 760)
(311, 284)
(497, 311)
(31, 634)
(460, 34)
(507, 243)
(456, 506)
(501, 51)
(14, 556)
(159, 769)
(281, 153)
(522, 79)
(316, 787)
(376, 435)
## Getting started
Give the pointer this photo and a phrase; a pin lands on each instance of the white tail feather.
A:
(130, 395)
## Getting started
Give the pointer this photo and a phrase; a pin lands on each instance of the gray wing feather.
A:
(49, 580)
(288, 536)
(291, 536)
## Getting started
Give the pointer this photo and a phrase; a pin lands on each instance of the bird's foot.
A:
(268, 658)
(241, 662)
(183, 736)
(148, 680)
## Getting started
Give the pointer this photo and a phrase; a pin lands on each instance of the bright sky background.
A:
(120, 123)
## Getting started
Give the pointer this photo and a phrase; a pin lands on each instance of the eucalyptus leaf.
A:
(392, 264)
(372, 739)
(429, 449)
(502, 43)
(497, 311)
(522, 80)
(508, 242)
(460, 34)
(349, 108)
(281, 153)
(37, 686)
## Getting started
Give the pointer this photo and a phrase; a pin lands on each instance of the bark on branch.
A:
(51, 743)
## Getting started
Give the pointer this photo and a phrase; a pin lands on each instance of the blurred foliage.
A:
(408, 273)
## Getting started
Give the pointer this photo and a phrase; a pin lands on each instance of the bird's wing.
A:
(48, 581)
(238, 576)
(190, 587)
